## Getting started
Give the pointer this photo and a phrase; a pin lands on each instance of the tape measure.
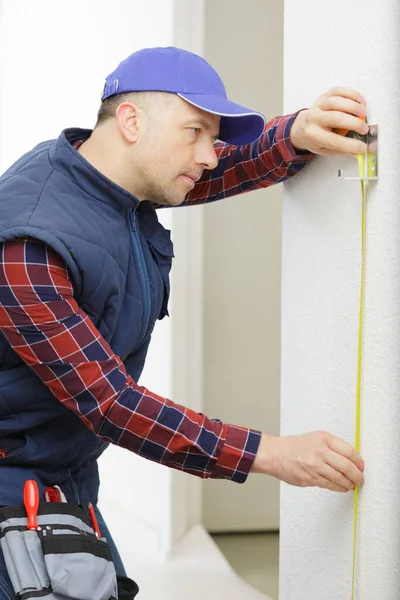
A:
(361, 168)
(370, 173)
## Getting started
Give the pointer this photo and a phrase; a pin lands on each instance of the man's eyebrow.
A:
(203, 123)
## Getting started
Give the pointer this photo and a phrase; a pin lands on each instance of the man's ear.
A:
(128, 118)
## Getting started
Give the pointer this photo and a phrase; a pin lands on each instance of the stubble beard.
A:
(164, 194)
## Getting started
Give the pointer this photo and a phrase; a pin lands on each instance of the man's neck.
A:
(107, 160)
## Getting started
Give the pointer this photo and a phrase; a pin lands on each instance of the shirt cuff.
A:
(238, 453)
(283, 141)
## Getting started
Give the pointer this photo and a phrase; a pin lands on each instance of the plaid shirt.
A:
(43, 323)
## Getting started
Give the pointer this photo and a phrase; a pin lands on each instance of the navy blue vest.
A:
(119, 257)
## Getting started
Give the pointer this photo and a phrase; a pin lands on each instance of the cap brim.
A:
(239, 125)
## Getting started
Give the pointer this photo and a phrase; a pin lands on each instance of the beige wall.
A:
(242, 262)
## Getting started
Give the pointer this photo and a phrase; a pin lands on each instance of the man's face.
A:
(174, 149)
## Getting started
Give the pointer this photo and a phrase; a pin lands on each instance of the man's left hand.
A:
(340, 108)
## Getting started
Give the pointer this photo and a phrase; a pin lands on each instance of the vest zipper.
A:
(143, 275)
(75, 488)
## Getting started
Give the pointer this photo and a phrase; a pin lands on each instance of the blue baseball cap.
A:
(189, 76)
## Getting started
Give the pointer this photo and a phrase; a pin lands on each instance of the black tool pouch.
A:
(63, 559)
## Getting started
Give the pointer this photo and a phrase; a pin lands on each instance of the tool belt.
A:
(62, 558)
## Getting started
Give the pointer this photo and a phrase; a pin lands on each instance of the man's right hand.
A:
(317, 459)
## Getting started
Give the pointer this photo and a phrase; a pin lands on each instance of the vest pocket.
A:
(24, 561)
(13, 447)
(80, 567)
(163, 253)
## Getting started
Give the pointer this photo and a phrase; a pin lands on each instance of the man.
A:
(84, 275)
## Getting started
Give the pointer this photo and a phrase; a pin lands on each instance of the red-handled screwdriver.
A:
(31, 502)
(94, 520)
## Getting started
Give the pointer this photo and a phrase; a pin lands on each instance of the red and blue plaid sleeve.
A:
(45, 326)
(269, 160)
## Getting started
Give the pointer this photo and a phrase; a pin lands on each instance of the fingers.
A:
(346, 470)
(327, 484)
(338, 103)
(336, 477)
(328, 478)
(326, 152)
(333, 474)
(346, 93)
(340, 150)
(345, 449)
(328, 143)
(342, 120)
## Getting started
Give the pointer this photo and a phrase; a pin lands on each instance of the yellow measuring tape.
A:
(361, 166)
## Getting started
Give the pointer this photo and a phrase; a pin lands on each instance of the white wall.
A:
(54, 57)
(355, 44)
(187, 298)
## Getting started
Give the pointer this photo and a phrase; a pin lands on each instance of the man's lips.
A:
(191, 179)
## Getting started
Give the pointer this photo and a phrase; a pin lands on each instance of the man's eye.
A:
(196, 130)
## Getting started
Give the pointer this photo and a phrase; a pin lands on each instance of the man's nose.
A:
(207, 157)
